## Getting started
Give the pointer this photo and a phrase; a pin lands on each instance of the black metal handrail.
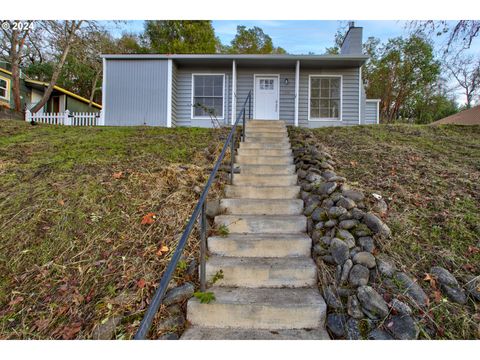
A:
(152, 309)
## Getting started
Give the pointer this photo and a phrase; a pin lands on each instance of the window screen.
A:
(324, 98)
(208, 95)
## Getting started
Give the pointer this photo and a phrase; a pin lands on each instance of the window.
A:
(266, 84)
(4, 88)
(208, 90)
(325, 98)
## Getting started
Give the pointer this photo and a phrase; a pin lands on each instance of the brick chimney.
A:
(352, 43)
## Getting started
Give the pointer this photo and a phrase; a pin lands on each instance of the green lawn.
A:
(73, 252)
(430, 178)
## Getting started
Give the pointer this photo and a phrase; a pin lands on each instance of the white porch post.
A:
(297, 89)
(360, 95)
(28, 116)
(169, 92)
(234, 91)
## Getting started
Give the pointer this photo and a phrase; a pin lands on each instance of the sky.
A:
(305, 36)
(300, 36)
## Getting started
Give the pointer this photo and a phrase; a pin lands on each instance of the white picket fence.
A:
(66, 118)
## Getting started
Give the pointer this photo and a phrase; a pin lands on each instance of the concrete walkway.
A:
(269, 289)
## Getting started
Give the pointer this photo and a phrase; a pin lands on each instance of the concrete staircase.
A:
(268, 290)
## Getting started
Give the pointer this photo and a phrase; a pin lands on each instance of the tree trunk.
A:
(16, 46)
(58, 69)
(94, 88)
(469, 98)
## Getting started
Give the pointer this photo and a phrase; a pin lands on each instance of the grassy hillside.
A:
(73, 251)
(430, 178)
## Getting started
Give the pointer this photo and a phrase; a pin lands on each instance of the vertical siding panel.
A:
(136, 92)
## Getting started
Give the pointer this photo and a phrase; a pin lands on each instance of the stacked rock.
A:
(344, 235)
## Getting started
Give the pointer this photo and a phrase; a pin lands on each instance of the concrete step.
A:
(205, 333)
(260, 145)
(267, 308)
(262, 192)
(264, 152)
(266, 169)
(265, 129)
(266, 123)
(254, 272)
(261, 245)
(268, 140)
(261, 160)
(264, 134)
(263, 223)
(268, 180)
(262, 206)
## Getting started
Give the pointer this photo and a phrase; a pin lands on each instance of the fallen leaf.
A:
(353, 163)
(141, 283)
(42, 324)
(431, 280)
(437, 295)
(473, 249)
(117, 175)
(61, 202)
(16, 301)
(89, 296)
(69, 332)
(468, 267)
(148, 219)
(163, 249)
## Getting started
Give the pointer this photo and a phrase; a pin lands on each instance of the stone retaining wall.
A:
(367, 296)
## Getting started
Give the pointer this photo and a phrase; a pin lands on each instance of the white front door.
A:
(266, 97)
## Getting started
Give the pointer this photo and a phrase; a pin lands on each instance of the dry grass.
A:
(73, 252)
(430, 178)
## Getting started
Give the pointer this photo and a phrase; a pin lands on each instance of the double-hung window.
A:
(325, 98)
(4, 89)
(208, 95)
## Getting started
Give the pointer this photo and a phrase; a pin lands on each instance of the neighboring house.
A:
(303, 90)
(31, 92)
(465, 117)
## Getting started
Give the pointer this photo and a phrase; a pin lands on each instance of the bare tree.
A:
(460, 33)
(466, 71)
(12, 47)
(62, 33)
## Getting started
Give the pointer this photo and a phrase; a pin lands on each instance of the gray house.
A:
(184, 90)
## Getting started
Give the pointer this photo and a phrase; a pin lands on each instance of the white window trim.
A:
(340, 114)
(255, 86)
(7, 97)
(192, 112)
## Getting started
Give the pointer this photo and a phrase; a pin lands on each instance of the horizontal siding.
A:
(174, 93)
(74, 105)
(136, 92)
(371, 112)
(350, 96)
(184, 96)
(287, 92)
